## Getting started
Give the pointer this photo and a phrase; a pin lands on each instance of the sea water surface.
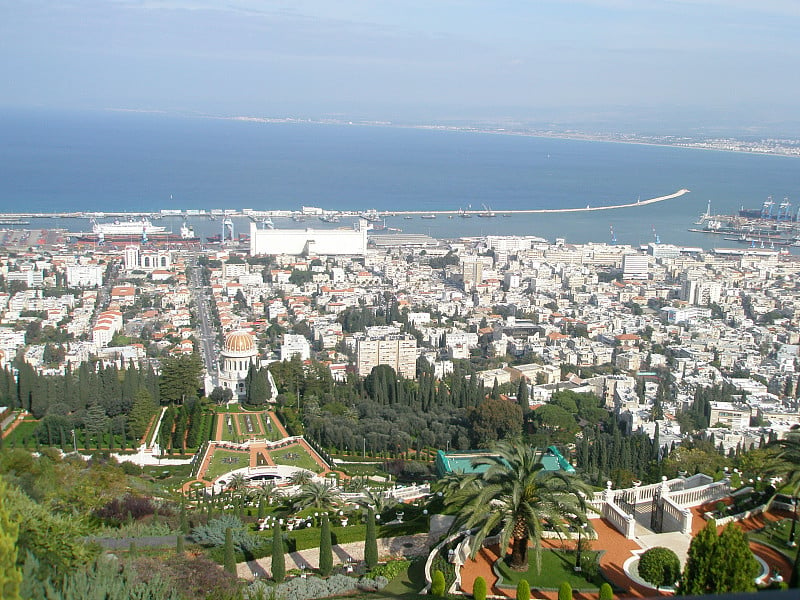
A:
(111, 161)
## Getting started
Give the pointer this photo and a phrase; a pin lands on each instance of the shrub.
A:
(565, 591)
(213, 534)
(523, 590)
(479, 588)
(606, 593)
(437, 584)
(120, 510)
(391, 569)
(659, 566)
(314, 587)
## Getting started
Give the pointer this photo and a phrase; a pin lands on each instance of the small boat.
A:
(428, 216)
(408, 217)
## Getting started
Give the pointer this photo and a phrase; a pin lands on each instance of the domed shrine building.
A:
(238, 353)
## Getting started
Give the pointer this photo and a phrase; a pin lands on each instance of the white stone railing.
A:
(409, 493)
(700, 495)
(681, 517)
(623, 522)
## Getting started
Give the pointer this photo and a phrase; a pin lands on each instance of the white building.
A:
(635, 266)
(295, 344)
(312, 242)
(85, 275)
(397, 351)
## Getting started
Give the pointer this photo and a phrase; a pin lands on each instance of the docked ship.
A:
(131, 232)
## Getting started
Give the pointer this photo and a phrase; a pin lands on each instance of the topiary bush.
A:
(565, 591)
(523, 590)
(479, 588)
(606, 593)
(437, 584)
(659, 566)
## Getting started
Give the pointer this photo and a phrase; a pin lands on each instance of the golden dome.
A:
(240, 341)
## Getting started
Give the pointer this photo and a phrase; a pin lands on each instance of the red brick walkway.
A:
(617, 549)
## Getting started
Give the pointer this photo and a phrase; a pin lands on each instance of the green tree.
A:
(325, 549)
(371, 541)
(495, 419)
(696, 572)
(10, 575)
(565, 591)
(318, 496)
(524, 590)
(180, 377)
(513, 495)
(179, 544)
(659, 566)
(278, 559)
(479, 588)
(719, 564)
(438, 584)
(738, 566)
(230, 557)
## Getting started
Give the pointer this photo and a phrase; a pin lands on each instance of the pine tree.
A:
(230, 556)
(278, 559)
(371, 541)
(325, 550)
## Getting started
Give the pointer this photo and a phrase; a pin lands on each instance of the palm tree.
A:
(266, 490)
(316, 495)
(301, 477)
(515, 498)
(379, 501)
(237, 483)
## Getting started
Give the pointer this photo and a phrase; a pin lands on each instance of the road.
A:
(208, 336)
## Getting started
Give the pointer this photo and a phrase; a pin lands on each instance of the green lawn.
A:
(272, 432)
(557, 567)
(295, 455)
(776, 535)
(24, 433)
(220, 465)
(229, 431)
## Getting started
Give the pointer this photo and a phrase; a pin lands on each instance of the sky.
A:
(693, 63)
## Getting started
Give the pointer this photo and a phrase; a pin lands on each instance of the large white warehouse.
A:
(309, 241)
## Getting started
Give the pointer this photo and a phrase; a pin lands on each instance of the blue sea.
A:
(112, 161)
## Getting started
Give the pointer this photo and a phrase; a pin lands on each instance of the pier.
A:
(247, 213)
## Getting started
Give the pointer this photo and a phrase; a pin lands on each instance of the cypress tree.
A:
(522, 397)
(696, 572)
(479, 588)
(325, 550)
(179, 544)
(606, 593)
(371, 541)
(230, 557)
(278, 560)
(524, 590)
